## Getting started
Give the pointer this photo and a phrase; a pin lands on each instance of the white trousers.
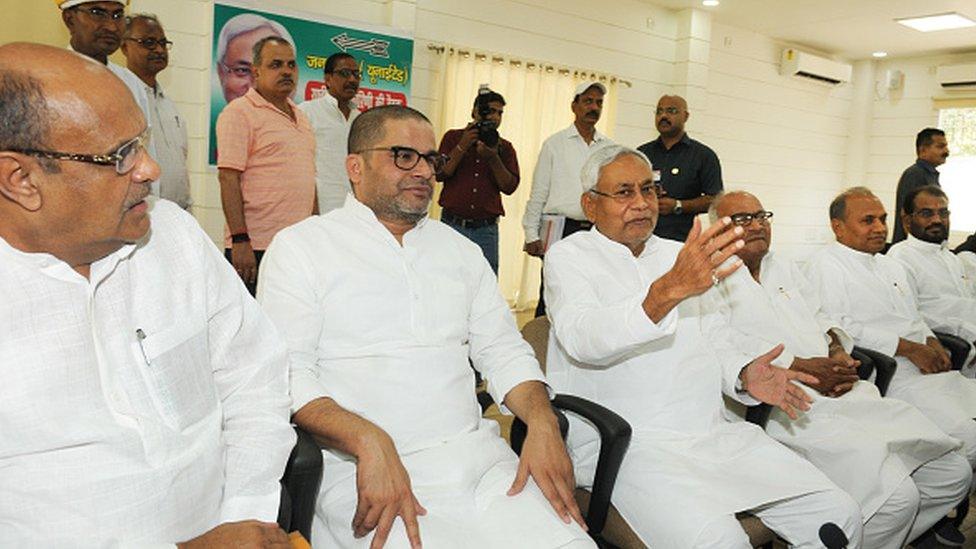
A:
(797, 520)
(919, 502)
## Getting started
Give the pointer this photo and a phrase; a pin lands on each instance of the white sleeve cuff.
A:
(263, 508)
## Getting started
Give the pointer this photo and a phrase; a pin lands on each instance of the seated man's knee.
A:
(846, 513)
(724, 532)
(903, 504)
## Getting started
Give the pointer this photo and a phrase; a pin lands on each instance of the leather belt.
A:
(448, 217)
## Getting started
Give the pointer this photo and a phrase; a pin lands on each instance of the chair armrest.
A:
(866, 369)
(884, 367)
(302, 479)
(615, 435)
(759, 414)
(958, 348)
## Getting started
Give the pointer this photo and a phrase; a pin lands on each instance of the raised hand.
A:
(777, 386)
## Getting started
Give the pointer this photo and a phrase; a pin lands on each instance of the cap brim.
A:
(72, 3)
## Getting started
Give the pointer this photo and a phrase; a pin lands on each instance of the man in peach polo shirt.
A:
(265, 160)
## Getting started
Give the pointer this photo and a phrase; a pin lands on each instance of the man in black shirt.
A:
(932, 150)
(687, 172)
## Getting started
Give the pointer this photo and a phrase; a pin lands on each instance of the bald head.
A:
(39, 105)
(670, 116)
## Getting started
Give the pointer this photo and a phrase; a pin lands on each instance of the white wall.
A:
(898, 115)
(780, 138)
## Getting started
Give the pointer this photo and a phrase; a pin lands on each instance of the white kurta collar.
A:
(364, 213)
(857, 256)
(54, 267)
(619, 248)
(923, 246)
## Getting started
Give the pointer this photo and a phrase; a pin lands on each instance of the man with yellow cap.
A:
(96, 28)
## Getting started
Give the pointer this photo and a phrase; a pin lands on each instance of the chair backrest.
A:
(536, 333)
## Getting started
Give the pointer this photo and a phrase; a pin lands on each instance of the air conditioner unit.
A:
(813, 67)
(957, 77)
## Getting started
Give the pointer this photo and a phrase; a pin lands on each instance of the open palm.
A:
(774, 385)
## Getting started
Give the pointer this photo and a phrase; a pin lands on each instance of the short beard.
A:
(392, 209)
(920, 234)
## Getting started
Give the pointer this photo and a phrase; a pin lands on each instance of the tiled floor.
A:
(969, 528)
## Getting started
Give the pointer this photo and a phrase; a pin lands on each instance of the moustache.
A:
(107, 36)
(286, 80)
(935, 226)
(593, 113)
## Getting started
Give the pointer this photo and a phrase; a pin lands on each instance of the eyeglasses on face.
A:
(743, 219)
(348, 73)
(151, 43)
(626, 194)
(669, 110)
(406, 158)
(929, 213)
(102, 15)
(240, 71)
(124, 158)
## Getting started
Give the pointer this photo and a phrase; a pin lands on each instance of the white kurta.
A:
(865, 444)
(331, 143)
(876, 305)
(687, 464)
(944, 285)
(386, 330)
(108, 441)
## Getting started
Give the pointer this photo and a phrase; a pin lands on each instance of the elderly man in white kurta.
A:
(870, 295)
(894, 461)
(636, 328)
(145, 397)
(382, 308)
(944, 283)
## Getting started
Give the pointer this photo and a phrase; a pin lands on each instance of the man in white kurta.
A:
(894, 461)
(145, 394)
(637, 329)
(331, 116)
(382, 308)
(944, 283)
(870, 295)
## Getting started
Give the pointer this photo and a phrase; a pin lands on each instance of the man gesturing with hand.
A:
(637, 328)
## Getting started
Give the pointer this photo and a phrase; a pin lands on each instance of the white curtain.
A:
(538, 98)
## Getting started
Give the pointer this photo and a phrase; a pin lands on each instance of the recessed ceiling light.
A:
(710, 3)
(880, 54)
(942, 21)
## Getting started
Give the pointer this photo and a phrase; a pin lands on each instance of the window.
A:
(958, 174)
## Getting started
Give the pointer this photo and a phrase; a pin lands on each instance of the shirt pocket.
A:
(179, 375)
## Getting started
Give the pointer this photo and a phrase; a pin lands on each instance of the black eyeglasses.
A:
(348, 73)
(151, 43)
(407, 159)
(743, 219)
(627, 194)
(669, 110)
(100, 14)
(928, 213)
(124, 158)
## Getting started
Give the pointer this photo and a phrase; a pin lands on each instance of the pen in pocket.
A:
(141, 336)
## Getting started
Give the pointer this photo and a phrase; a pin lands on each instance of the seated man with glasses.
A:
(687, 171)
(145, 393)
(331, 117)
(944, 283)
(146, 51)
(905, 473)
(382, 308)
(636, 327)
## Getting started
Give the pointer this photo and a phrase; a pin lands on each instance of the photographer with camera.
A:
(481, 165)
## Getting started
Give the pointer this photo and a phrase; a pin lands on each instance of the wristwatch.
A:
(678, 210)
(240, 237)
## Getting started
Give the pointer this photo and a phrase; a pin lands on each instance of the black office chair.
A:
(300, 486)
(957, 347)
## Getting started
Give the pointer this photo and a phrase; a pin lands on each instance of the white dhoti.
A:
(672, 485)
(947, 399)
(463, 484)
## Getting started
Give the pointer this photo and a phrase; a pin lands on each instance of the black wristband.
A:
(240, 237)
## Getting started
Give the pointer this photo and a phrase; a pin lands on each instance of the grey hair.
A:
(603, 156)
(130, 19)
(259, 47)
(244, 23)
(713, 207)
(838, 206)
(25, 117)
